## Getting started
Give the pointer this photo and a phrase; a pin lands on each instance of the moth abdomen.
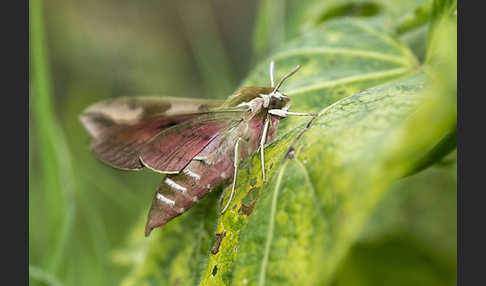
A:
(178, 193)
(171, 199)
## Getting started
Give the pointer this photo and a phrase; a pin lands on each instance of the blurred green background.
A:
(80, 210)
(86, 51)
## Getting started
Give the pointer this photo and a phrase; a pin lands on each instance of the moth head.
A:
(276, 99)
(251, 96)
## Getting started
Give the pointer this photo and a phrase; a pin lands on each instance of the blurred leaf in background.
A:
(368, 199)
(409, 239)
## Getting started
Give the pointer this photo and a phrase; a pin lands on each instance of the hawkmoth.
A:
(196, 143)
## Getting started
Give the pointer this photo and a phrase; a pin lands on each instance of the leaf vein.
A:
(344, 51)
(307, 178)
(348, 79)
(386, 39)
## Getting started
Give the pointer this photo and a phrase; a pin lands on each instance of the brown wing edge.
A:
(99, 117)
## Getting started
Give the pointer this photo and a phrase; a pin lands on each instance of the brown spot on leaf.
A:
(290, 153)
(247, 209)
(217, 243)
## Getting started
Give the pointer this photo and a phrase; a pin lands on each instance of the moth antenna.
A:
(286, 77)
(272, 65)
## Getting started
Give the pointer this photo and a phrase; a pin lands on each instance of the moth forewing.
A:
(101, 117)
(120, 127)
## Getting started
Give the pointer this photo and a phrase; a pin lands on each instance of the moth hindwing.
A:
(196, 143)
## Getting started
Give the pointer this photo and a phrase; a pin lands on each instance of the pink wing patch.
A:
(173, 149)
(120, 147)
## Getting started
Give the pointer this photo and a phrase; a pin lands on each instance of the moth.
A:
(196, 143)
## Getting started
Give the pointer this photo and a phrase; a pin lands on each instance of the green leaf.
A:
(280, 21)
(311, 210)
(444, 16)
(418, 18)
(373, 101)
(339, 59)
(410, 237)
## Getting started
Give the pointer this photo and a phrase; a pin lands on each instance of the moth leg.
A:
(235, 173)
(284, 113)
(262, 143)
